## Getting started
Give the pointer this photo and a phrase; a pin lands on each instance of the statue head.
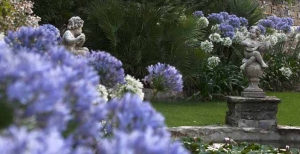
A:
(254, 32)
(75, 23)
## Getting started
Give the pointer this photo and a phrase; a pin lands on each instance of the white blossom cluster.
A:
(207, 46)
(102, 92)
(215, 37)
(203, 22)
(239, 37)
(227, 42)
(287, 72)
(213, 61)
(297, 37)
(271, 40)
(281, 37)
(132, 85)
(215, 28)
(2, 36)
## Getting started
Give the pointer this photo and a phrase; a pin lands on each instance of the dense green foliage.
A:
(141, 34)
(283, 54)
(243, 8)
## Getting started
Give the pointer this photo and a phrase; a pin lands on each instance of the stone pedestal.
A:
(252, 112)
(253, 72)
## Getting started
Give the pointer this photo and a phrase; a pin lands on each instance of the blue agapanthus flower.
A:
(131, 113)
(20, 140)
(267, 23)
(109, 68)
(243, 21)
(225, 15)
(164, 77)
(216, 17)
(34, 39)
(262, 29)
(285, 28)
(227, 30)
(138, 142)
(51, 30)
(234, 21)
(198, 14)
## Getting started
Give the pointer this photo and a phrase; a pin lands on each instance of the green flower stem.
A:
(155, 91)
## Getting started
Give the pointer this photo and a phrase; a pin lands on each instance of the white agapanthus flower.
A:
(272, 40)
(227, 42)
(215, 28)
(207, 46)
(281, 37)
(262, 38)
(102, 92)
(243, 29)
(239, 37)
(298, 56)
(297, 37)
(2, 36)
(215, 37)
(203, 22)
(287, 72)
(132, 85)
(213, 61)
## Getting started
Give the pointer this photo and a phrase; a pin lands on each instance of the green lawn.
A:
(213, 113)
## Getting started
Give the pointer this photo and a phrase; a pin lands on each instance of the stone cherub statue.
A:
(252, 47)
(253, 63)
(73, 38)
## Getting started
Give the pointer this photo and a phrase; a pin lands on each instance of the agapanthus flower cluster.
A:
(239, 37)
(20, 14)
(227, 42)
(109, 68)
(203, 22)
(131, 85)
(51, 30)
(103, 93)
(198, 14)
(130, 113)
(277, 23)
(213, 61)
(215, 37)
(281, 37)
(287, 72)
(227, 24)
(271, 39)
(21, 140)
(164, 77)
(34, 39)
(207, 46)
(141, 142)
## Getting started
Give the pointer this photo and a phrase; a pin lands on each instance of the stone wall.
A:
(282, 9)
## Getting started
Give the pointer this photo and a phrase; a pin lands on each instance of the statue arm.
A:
(69, 39)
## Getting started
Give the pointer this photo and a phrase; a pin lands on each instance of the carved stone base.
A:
(252, 112)
(260, 94)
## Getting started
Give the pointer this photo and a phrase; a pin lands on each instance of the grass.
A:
(213, 113)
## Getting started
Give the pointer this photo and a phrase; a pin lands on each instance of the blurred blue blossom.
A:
(227, 30)
(216, 17)
(130, 113)
(109, 68)
(262, 29)
(198, 14)
(164, 77)
(138, 142)
(51, 30)
(35, 39)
